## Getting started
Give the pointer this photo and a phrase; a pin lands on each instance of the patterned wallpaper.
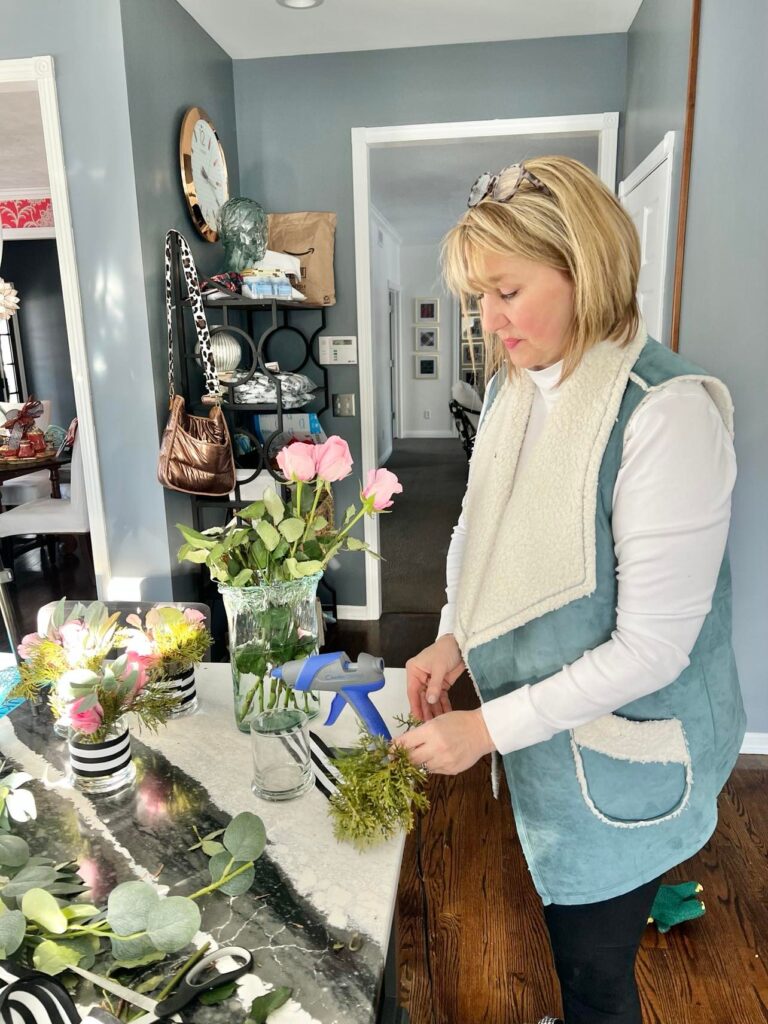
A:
(26, 213)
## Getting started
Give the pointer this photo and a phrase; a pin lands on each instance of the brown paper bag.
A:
(309, 236)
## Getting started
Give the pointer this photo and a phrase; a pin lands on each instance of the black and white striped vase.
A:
(103, 767)
(183, 687)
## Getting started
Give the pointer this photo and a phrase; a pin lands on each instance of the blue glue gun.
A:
(351, 682)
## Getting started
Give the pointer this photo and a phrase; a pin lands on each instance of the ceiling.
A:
(422, 189)
(22, 150)
(261, 28)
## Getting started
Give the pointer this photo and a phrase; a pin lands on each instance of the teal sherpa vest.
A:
(613, 804)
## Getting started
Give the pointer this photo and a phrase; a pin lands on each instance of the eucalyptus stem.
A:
(185, 967)
(222, 881)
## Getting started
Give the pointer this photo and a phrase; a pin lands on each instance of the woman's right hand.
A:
(430, 674)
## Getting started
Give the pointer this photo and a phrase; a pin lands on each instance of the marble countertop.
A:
(312, 899)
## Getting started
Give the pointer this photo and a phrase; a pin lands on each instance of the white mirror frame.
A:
(605, 127)
(39, 71)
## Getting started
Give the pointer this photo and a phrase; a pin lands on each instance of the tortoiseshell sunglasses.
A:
(487, 184)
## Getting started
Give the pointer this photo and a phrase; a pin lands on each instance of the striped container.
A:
(103, 767)
(184, 688)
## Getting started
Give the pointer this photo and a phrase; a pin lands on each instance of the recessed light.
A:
(299, 4)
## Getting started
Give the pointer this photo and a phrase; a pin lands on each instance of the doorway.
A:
(521, 137)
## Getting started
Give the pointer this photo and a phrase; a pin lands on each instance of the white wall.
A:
(385, 273)
(421, 278)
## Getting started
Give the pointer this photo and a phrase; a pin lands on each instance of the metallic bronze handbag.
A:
(195, 451)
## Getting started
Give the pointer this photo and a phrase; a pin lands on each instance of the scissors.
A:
(203, 976)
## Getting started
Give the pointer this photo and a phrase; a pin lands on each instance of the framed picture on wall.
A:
(426, 311)
(466, 353)
(476, 329)
(473, 304)
(425, 367)
(425, 339)
(478, 351)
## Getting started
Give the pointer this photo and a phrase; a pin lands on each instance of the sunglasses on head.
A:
(487, 185)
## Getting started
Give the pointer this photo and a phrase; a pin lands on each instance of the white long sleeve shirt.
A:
(671, 511)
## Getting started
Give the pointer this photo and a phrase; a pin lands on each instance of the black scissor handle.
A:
(199, 979)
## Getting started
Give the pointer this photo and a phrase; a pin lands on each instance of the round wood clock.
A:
(203, 171)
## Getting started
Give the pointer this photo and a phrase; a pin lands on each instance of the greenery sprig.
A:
(379, 791)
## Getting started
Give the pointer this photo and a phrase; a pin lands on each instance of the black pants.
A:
(594, 947)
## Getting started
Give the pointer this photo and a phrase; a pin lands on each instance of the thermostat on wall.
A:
(337, 350)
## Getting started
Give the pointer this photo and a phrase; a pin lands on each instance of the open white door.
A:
(647, 195)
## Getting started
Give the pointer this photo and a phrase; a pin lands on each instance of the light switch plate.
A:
(337, 350)
(343, 405)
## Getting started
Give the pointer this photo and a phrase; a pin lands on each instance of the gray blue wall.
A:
(171, 64)
(723, 320)
(294, 119)
(86, 42)
(33, 267)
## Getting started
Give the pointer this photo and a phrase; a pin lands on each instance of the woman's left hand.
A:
(448, 744)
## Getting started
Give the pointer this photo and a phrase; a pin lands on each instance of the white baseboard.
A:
(429, 433)
(755, 743)
(352, 612)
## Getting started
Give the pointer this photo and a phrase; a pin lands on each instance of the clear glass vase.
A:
(270, 625)
(105, 766)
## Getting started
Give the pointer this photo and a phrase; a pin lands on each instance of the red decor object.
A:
(26, 213)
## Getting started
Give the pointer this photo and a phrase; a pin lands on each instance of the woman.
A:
(587, 583)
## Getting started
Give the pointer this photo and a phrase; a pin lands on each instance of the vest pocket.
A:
(633, 773)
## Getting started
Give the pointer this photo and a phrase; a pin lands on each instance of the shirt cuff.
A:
(513, 722)
(447, 620)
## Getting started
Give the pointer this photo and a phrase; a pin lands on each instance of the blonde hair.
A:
(581, 229)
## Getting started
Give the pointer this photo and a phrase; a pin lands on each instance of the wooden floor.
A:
(473, 946)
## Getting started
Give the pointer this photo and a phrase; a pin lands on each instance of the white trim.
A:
(8, 195)
(605, 126)
(755, 743)
(352, 612)
(430, 433)
(40, 70)
(27, 234)
(664, 151)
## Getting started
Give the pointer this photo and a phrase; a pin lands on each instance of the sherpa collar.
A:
(530, 548)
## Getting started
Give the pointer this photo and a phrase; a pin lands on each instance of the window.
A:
(13, 386)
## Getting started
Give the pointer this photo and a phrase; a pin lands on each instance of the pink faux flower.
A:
(194, 616)
(297, 461)
(87, 721)
(73, 635)
(28, 642)
(379, 487)
(141, 663)
(333, 459)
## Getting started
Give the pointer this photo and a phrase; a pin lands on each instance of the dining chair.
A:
(49, 516)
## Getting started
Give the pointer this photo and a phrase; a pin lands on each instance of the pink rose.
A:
(333, 459)
(379, 488)
(28, 642)
(194, 616)
(141, 663)
(297, 461)
(87, 721)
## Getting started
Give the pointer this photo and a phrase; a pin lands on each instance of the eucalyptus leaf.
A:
(173, 923)
(79, 911)
(245, 837)
(13, 926)
(39, 906)
(262, 1006)
(30, 877)
(235, 886)
(129, 906)
(86, 946)
(218, 994)
(53, 957)
(14, 852)
(273, 505)
(292, 529)
(133, 951)
(211, 847)
(268, 534)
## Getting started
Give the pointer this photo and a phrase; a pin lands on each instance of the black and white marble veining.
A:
(150, 829)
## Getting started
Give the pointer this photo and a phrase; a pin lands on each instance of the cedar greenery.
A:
(379, 792)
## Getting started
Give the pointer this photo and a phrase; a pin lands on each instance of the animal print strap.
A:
(198, 314)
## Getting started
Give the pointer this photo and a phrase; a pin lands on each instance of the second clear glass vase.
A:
(270, 625)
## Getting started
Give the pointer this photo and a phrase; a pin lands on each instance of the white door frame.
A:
(605, 126)
(39, 71)
(396, 372)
